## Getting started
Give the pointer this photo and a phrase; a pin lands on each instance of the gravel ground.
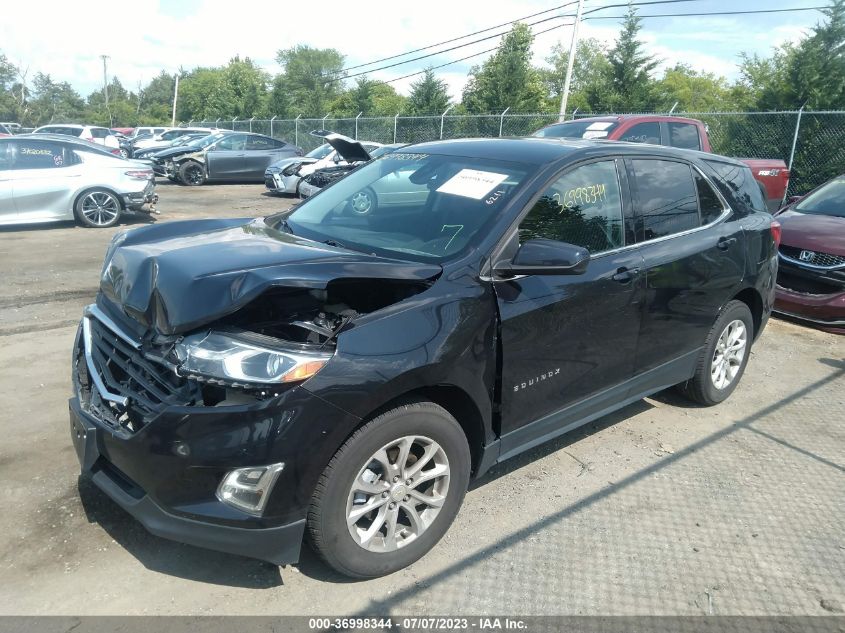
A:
(662, 508)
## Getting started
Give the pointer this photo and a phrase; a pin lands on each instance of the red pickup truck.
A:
(771, 174)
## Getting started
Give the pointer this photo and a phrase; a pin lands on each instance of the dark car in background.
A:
(811, 277)
(240, 382)
(225, 155)
(180, 141)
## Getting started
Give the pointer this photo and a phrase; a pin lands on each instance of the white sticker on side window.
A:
(599, 125)
(471, 183)
(595, 134)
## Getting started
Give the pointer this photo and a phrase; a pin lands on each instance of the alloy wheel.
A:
(729, 354)
(398, 494)
(194, 174)
(100, 208)
(362, 203)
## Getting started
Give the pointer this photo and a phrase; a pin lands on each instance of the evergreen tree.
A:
(429, 95)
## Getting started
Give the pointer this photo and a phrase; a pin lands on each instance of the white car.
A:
(164, 138)
(284, 175)
(94, 134)
(51, 177)
(149, 131)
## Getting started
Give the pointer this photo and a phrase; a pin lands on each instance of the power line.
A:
(673, 15)
(455, 39)
(335, 77)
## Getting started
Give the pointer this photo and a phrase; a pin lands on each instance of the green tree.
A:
(52, 101)
(693, 91)
(279, 103)
(156, 99)
(313, 77)
(628, 86)
(507, 79)
(8, 104)
(589, 73)
(429, 95)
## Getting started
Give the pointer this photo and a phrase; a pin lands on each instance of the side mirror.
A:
(793, 199)
(545, 257)
(336, 158)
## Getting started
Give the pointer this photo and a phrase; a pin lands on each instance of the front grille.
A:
(136, 387)
(825, 260)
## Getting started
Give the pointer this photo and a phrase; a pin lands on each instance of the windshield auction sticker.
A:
(471, 183)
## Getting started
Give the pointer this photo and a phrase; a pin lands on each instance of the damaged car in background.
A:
(233, 156)
(286, 175)
(238, 383)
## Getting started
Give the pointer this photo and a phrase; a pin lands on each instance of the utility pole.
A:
(572, 48)
(106, 87)
(175, 97)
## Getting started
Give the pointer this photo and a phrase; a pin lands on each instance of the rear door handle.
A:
(724, 243)
(624, 275)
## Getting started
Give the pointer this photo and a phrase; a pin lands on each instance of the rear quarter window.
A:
(738, 184)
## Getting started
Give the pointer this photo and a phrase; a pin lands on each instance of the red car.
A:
(811, 274)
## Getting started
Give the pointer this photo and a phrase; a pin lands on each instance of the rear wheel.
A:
(192, 173)
(724, 357)
(391, 491)
(98, 208)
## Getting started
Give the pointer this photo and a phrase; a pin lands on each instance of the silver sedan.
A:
(48, 178)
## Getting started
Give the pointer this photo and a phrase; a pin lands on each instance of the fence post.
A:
(250, 123)
(574, 112)
(395, 121)
(296, 130)
(191, 123)
(324, 120)
(792, 151)
(673, 108)
(502, 120)
(356, 125)
(442, 118)
(271, 125)
(233, 123)
(217, 123)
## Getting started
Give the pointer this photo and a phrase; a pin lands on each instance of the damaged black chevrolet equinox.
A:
(345, 373)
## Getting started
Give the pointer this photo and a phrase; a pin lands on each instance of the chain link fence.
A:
(818, 137)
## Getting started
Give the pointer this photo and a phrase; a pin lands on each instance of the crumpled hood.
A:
(821, 233)
(170, 152)
(177, 276)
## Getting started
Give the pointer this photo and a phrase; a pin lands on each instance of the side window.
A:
(99, 132)
(740, 183)
(258, 142)
(684, 135)
(582, 207)
(708, 202)
(234, 142)
(666, 197)
(643, 133)
(39, 155)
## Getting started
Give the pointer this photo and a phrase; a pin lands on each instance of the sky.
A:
(143, 37)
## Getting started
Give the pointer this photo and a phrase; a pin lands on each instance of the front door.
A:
(227, 158)
(44, 177)
(568, 341)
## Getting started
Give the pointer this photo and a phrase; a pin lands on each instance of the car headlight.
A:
(290, 170)
(228, 359)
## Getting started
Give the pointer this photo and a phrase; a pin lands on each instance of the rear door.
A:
(693, 248)
(8, 212)
(568, 341)
(226, 158)
(45, 176)
(260, 152)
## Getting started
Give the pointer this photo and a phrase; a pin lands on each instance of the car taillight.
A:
(116, 152)
(141, 174)
(776, 233)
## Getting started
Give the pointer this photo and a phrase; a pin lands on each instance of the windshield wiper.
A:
(336, 244)
(286, 226)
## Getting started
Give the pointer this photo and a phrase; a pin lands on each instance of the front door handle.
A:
(724, 243)
(624, 275)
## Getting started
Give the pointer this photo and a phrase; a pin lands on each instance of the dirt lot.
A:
(662, 508)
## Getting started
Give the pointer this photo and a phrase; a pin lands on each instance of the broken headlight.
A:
(227, 359)
(290, 170)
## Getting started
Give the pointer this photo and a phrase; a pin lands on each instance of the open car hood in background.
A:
(178, 276)
(349, 149)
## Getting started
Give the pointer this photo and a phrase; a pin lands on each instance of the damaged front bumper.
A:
(144, 440)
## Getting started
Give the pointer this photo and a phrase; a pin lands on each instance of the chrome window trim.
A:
(792, 260)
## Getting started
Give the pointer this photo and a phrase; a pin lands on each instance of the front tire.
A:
(391, 491)
(725, 355)
(98, 208)
(363, 202)
(192, 173)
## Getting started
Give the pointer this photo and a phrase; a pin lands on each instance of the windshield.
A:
(379, 151)
(425, 207)
(321, 152)
(578, 129)
(829, 199)
(205, 141)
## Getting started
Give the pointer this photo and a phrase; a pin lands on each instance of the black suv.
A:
(240, 382)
